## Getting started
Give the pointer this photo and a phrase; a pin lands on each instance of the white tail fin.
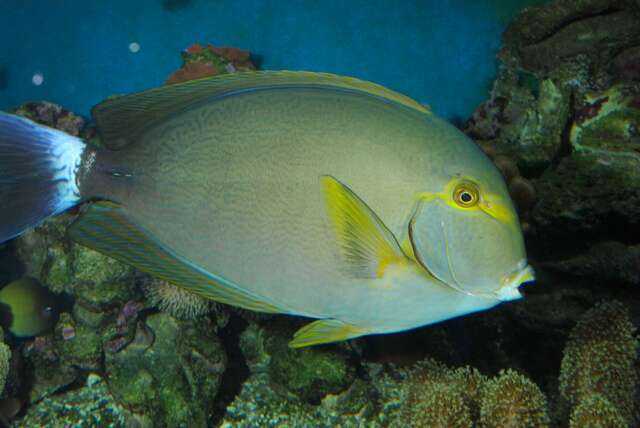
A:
(38, 173)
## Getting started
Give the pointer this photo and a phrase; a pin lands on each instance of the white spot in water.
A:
(37, 79)
(134, 47)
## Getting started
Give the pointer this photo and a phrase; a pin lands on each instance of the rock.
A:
(542, 37)
(627, 64)
(96, 280)
(308, 373)
(258, 405)
(580, 197)
(523, 123)
(170, 372)
(52, 115)
(302, 387)
(89, 406)
(79, 345)
(608, 261)
(47, 372)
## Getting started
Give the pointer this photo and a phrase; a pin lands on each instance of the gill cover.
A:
(469, 238)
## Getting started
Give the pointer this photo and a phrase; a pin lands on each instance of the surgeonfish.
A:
(27, 308)
(299, 193)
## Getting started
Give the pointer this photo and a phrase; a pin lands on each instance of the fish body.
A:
(262, 183)
(27, 308)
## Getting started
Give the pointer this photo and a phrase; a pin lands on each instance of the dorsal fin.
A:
(123, 120)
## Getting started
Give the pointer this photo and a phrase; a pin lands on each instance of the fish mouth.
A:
(511, 282)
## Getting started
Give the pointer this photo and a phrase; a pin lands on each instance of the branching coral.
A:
(511, 400)
(5, 357)
(441, 397)
(436, 405)
(596, 411)
(600, 357)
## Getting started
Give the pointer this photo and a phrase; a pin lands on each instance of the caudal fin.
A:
(38, 171)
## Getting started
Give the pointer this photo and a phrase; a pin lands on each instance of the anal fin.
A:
(106, 228)
(325, 331)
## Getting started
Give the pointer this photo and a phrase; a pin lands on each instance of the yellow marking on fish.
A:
(367, 247)
(488, 203)
(384, 264)
(407, 249)
(325, 331)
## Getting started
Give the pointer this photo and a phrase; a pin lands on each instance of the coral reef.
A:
(175, 300)
(5, 358)
(206, 61)
(601, 357)
(287, 387)
(170, 372)
(561, 124)
(439, 397)
(595, 411)
(309, 374)
(90, 406)
(258, 404)
(52, 115)
(442, 407)
(564, 108)
(512, 400)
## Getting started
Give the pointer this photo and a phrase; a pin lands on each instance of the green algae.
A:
(79, 345)
(309, 373)
(87, 407)
(92, 277)
(173, 377)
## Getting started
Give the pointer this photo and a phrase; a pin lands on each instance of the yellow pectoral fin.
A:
(325, 331)
(367, 247)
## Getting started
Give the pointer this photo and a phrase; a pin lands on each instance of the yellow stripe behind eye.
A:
(489, 203)
(498, 211)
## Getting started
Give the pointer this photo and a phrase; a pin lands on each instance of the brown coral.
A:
(437, 396)
(596, 411)
(439, 406)
(513, 401)
(192, 71)
(5, 357)
(600, 357)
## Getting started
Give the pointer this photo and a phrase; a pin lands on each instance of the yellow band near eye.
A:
(464, 194)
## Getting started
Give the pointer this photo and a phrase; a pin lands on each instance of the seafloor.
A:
(562, 123)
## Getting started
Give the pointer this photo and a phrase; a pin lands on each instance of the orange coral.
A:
(194, 48)
(200, 62)
(191, 71)
(240, 59)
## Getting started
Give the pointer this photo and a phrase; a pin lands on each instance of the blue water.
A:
(440, 52)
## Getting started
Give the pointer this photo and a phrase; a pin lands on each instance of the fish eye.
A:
(466, 195)
(47, 312)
